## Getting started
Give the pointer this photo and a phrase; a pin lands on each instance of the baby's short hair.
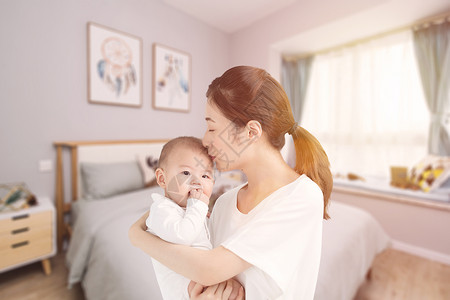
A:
(182, 141)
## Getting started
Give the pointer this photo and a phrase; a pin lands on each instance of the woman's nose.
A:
(205, 140)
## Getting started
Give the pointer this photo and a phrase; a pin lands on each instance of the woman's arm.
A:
(207, 267)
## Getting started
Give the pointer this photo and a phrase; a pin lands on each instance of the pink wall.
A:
(309, 26)
(418, 227)
(43, 78)
(251, 46)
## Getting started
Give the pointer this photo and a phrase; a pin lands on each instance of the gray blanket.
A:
(100, 254)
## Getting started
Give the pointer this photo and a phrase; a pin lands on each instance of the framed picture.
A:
(171, 79)
(114, 66)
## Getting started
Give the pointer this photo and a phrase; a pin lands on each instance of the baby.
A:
(185, 172)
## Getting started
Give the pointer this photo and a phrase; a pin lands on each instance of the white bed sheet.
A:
(351, 240)
(101, 256)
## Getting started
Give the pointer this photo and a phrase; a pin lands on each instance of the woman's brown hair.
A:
(246, 93)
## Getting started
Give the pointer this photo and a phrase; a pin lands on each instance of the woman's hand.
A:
(227, 290)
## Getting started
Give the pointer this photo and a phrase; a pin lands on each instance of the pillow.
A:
(148, 165)
(102, 180)
(430, 173)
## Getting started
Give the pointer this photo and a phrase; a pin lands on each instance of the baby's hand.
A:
(197, 193)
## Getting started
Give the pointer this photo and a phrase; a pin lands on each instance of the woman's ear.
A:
(254, 129)
(160, 177)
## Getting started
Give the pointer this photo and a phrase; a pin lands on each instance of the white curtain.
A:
(366, 106)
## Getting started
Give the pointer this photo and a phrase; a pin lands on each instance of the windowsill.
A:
(381, 188)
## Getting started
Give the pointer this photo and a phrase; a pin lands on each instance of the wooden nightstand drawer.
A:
(31, 234)
(25, 250)
(24, 220)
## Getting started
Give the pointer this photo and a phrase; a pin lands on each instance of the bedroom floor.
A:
(398, 275)
(30, 283)
(395, 276)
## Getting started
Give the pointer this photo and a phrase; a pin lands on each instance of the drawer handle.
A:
(21, 244)
(18, 217)
(20, 230)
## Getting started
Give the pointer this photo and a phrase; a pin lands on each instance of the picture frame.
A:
(171, 82)
(114, 63)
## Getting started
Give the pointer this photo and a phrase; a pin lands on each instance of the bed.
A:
(100, 256)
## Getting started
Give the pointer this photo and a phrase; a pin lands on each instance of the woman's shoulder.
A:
(303, 189)
(306, 184)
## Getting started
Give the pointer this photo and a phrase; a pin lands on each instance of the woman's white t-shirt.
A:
(281, 237)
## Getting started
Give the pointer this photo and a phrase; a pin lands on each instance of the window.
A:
(366, 106)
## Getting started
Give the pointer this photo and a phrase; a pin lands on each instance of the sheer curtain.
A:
(366, 106)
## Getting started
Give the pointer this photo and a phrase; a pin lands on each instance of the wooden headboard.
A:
(91, 151)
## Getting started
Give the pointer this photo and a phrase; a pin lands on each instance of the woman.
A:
(266, 233)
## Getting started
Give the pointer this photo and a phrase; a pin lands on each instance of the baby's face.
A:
(187, 169)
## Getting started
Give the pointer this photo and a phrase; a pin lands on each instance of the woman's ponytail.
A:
(312, 161)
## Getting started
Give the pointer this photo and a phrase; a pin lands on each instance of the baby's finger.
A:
(196, 193)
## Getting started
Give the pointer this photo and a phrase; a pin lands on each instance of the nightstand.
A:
(27, 236)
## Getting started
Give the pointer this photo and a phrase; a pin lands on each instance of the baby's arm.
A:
(167, 223)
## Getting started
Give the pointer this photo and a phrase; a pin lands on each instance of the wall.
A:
(252, 45)
(309, 26)
(43, 79)
(416, 226)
